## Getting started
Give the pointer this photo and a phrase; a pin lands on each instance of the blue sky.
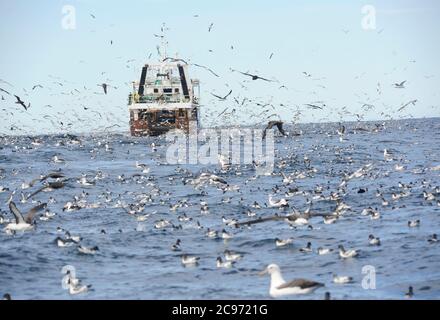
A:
(323, 38)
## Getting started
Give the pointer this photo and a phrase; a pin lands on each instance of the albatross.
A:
(279, 287)
(23, 223)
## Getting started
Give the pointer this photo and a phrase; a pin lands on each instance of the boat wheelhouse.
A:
(165, 98)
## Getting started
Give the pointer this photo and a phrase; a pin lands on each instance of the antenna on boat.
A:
(163, 43)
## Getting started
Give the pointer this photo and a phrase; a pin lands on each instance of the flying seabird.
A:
(279, 287)
(20, 102)
(400, 85)
(253, 76)
(222, 98)
(278, 124)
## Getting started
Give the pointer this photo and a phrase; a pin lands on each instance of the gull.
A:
(373, 240)
(400, 85)
(190, 260)
(279, 287)
(283, 242)
(23, 223)
(253, 76)
(342, 279)
(351, 253)
(224, 264)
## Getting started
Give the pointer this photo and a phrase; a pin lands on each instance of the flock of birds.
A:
(279, 207)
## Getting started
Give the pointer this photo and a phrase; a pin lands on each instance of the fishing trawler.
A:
(165, 98)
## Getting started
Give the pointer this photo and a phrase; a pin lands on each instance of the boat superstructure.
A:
(165, 98)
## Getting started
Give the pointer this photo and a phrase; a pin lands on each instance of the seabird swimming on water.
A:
(88, 250)
(176, 246)
(351, 253)
(224, 264)
(190, 260)
(374, 241)
(342, 279)
(322, 251)
(279, 287)
(7, 296)
(306, 249)
(433, 238)
(232, 256)
(413, 223)
(283, 242)
(23, 223)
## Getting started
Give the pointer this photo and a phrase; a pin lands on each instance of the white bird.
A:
(413, 223)
(190, 260)
(77, 289)
(23, 223)
(322, 251)
(373, 240)
(283, 242)
(351, 253)
(342, 279)
(232, 256)
(278, 203)
(279, 287)
(224, 264)
(87, 250)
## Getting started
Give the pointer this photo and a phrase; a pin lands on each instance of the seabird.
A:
(23, 223)
(351, 253)
(176, 246)
(433, 238)
(400, 85)
(190, 260)
(306, 249)
(222, 98)
(279, 287)
(413, 223)
(253, 76)
(88, 250)
(373, 240)
(224, 264)
(20, 102)
(64, 242)
(283, 242)
(7, 296)
(322, 251)
(342, 279)
(232, 256)
(278, 124)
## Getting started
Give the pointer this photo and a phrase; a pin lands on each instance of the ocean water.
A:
(135, 260)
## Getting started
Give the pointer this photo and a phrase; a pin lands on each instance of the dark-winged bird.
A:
(278, 124)
(20, 102)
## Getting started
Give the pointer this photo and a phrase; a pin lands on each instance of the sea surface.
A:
(135, 260)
